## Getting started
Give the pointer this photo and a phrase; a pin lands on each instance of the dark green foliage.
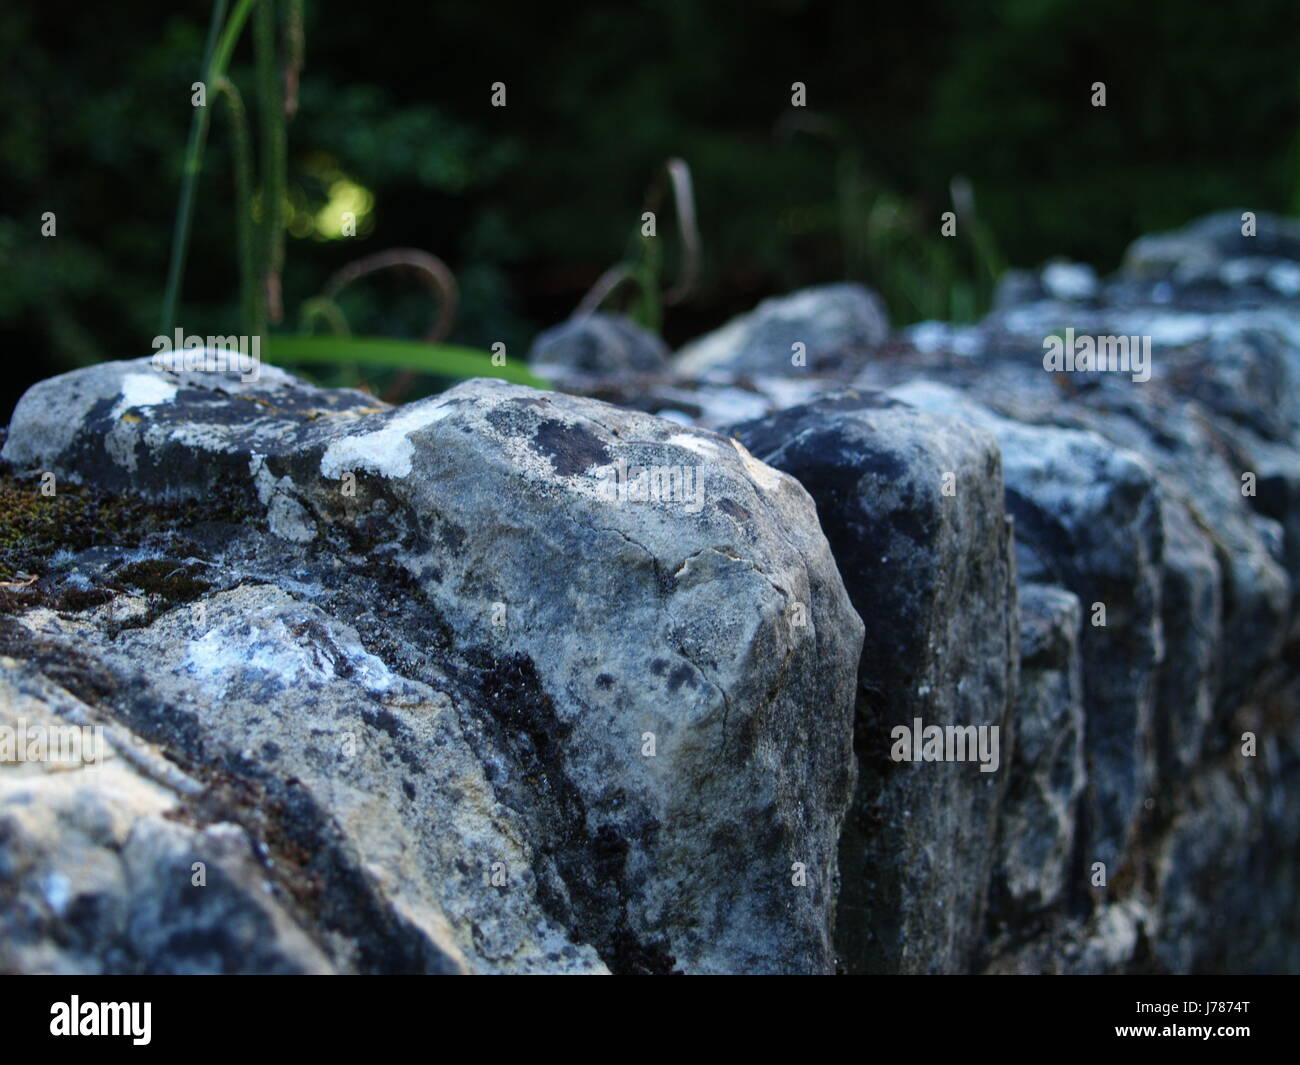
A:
(531, 203)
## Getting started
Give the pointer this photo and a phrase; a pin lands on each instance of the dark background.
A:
(530, 203)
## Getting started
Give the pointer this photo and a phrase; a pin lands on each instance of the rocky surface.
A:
(1037, 820)
(597, 345)
(913, 508)
(514, 681)
(815, 329)
(511, 713)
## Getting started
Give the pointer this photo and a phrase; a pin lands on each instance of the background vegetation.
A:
(530, 204)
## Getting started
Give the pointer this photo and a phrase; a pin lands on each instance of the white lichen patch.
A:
(768, 479)
(222, 658)
(289, 520)
(286, 517)
(137, 390)
(701, 445)
(387, 451)
(143, 390)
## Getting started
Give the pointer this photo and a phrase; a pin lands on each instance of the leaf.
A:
(439, 360)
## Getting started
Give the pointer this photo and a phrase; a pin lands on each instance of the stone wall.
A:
(816, 647)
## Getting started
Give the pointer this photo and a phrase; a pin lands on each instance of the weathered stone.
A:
(836, 324)
(597, 345)
(1038, 819)
(1191, 601)
(486, 639)
(97, 860)
(1058, 280)
(1107, 941)
(913, 508)
(567, 627)
(1087, 518)
(1227, 868)
(1200, 250)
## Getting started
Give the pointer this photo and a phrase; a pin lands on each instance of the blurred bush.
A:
(530, 203)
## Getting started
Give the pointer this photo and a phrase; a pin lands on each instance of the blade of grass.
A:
(250, 294)
(214, 66)
(439, 360)
(270, 95)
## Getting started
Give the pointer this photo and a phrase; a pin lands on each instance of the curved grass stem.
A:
(216, 57)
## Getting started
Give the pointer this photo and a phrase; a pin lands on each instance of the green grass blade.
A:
(190, 174)
(439, 360)
(214, 66)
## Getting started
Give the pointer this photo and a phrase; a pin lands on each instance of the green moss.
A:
(174, 581)
(34, 527)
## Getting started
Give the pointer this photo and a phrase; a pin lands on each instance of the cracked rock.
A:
(604, 658)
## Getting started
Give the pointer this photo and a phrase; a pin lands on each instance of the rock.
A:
(1231, 849)
(1238, 370)
(444, 689)
(1243, 375)
(649, 699)
(913, 508)
(1058, 280)
(1087, 518)
(1201, 250)
(598, 345)
(1038, 817)
(97, 860)
(1104, 942)
(1070, 281)
(385, 788)
(836, 324)
(1014, 287)
(1192, 611)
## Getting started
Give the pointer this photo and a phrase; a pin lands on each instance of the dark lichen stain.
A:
(403, 740)
(386, 722)
(452, 536)
(319, 870)
(683, 674)
(734, 509)
(594, 907)
(33, 527)
(571, 448)
(65, 666)
(74, 600)
(175, 582)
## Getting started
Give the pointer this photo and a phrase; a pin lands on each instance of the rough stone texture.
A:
(1226, 869)
(1036, 830)
(515, 634)
(1205, 872)
(931, 570)
(837, 324)
(1087, 518)
(1133, 494)
(368, 659)
(96, 862)
(598, 344)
